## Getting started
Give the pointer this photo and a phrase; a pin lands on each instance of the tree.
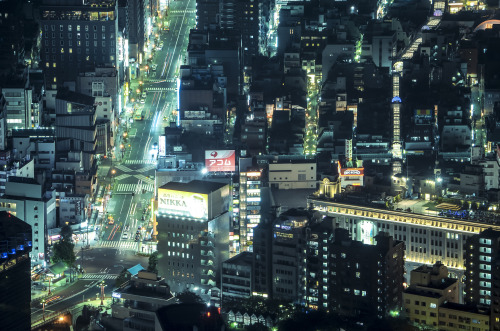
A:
(64, 251)
(187, 296)
(66, 233)
(123, 277)
(153, 262)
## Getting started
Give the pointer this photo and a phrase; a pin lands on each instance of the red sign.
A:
(352, 171)
(216, 160)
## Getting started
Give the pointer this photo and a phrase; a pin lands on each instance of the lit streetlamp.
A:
(102, 285)
(43, 308)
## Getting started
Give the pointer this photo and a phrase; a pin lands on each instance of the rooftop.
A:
(194, 186)
(67, 95)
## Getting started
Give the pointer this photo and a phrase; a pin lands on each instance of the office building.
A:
(288, 255)
(15, 281)
(76, 125)
(430, 287)
(454, 316)
(28, 200)
(428, 238)
(249, 213)
(76, 37)
(236, 276)
(482, 253)
(292, 175)
(366, 280)
(136, 304)
(262, 259)
(193, 227)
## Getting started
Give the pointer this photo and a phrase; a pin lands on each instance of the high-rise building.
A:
(193, 234)
(482, 252)
(249, 214)
(207, 12)
(76, 125)
(242, 17)
(15, 281)
(482, 278)
(76, 37)
(366, 280)
(289, 254)
(28, 200)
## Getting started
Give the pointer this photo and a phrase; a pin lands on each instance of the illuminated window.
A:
(71, 50)
(55, 79)
(47, 64)
(62, 50)
(53, 64)
(78, 28)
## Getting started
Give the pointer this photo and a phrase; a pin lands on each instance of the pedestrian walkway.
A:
(147, 181)
(148, 186)
(122, 176)
(189, 11)
(140, 161)
(123, 168)
(160, 89)
(119, 244)
(98, 276)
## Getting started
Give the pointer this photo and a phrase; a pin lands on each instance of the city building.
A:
(39, 144)
(454, 316)
(189, 316)
(248, 214)
(428, 238)
(15, 275)
(76, 37)
(192, 227)
(366, 279)
(292, 175)
(29, 201)
(137, 303)
(288, 255)
(236, 276)
(481, 255)
(76, 126)
(430, 287)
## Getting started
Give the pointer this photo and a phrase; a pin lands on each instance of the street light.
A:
(102, 285)
(43, 308)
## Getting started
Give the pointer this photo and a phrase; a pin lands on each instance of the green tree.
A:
(66, 233)
(64, 251)
(123, 277)
(153, 262)
(187, 296)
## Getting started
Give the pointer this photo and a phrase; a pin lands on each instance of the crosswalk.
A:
(123, 168)
(140, 161)
(188, 11)
(119, 244)
(122, 176)
(159, 89)
(170, 80)
(133, 187)
(145, 179)
(99, 276)
(147, 168)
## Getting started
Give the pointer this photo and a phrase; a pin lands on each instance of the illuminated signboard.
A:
(216, 160)
(352, 172)
(162, 145)
(185, 204)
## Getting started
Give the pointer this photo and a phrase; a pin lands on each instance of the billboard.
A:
(217, 160)
(180, 203)
(162, 145)
(352, 171)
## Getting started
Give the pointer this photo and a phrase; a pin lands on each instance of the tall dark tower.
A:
(15, 280)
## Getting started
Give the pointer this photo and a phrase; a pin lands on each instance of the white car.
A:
(125, 236)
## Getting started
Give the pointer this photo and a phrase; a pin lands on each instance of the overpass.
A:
(428, 238)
